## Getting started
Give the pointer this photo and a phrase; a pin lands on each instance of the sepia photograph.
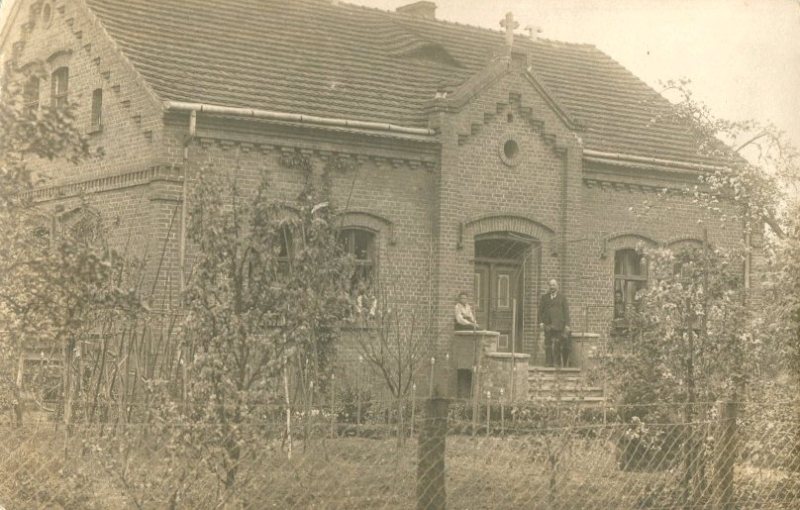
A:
(398, 254)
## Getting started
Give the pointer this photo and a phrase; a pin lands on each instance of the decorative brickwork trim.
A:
(368, 221)
(626, 240)
(412, 163)
(123, 58)
(611, 184)
(106, 183)
(519, 224)
(548, 135)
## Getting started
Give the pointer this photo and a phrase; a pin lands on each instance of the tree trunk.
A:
(19, 405)
(288, 412)
(69, 349)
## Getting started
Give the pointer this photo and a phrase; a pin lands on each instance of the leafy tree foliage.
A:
(688, 340)
(701, 333)
(54, 282)
(268, 290)
(753, 184)
(783, 292)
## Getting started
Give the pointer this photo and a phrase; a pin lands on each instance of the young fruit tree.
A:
(394, 340)
(267, 292)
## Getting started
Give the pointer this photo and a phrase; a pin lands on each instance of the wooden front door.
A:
(497, 285)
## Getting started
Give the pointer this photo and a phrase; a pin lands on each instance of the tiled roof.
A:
(320, 58)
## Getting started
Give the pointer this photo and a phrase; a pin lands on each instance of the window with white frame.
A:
(360, 244)
(630, 276)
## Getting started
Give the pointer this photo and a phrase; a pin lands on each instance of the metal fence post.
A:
(727, 456)
(431, 494)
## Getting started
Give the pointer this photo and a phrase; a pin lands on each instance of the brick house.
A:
(482, 160)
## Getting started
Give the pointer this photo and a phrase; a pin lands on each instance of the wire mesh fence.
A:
(424, 454)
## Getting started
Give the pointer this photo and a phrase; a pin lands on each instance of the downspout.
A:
(184, 193)
(563, 218)
(182, 254)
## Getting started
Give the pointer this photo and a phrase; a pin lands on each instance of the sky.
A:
(742, 56)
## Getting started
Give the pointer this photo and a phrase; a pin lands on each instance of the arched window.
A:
(31, 94)
(59, 87)
(630, 276)
(360, 244)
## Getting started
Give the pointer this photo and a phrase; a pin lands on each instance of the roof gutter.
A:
(295, 117)
(614, 156)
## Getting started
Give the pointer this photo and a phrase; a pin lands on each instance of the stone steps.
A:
(547, 384)
(588, 391)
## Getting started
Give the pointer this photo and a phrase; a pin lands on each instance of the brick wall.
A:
(140, 213)
(386, 188)
(632, 216)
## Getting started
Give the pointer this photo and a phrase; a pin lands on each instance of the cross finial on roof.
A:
(533, 31)
(509, 24)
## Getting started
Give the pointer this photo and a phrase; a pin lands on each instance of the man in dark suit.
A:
(554, 318)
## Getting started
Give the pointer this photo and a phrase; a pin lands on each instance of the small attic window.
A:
(47, 14)
(97, 110)
(509, 151)
(432, 52)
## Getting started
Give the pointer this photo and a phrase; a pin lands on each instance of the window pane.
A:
(629, 263)
(477, 290)
(60, 86)
(620, 263)
(630, 276)
(97, 108)
(362, 244)
(31, 93)
(619, 299)
(503, 298)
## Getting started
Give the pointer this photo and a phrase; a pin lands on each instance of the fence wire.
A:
(421, 454)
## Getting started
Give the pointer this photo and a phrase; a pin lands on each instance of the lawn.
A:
(519, 471)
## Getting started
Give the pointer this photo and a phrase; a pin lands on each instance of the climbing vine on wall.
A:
(296, 160)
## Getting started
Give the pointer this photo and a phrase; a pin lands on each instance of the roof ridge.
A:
(442, 21)
(328, 59)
